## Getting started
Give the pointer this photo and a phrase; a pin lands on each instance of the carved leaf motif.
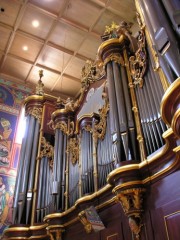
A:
(100, 127)
(47, 150)
(73, 148)
(138, 62)
(62, 126)
(36, 112)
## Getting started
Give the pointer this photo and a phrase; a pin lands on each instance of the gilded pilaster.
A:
(135, 109)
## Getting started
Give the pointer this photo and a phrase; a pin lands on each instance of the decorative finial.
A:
(40, 74)
(39, 87)
(112, 28)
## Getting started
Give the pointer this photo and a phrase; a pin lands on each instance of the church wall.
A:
(11, 97)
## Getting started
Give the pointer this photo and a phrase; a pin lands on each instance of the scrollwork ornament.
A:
(62, 125)
(88, 128)
(99, 130)
(138, 63)
(115, 57)
(35, 112)
(91, 72)
(140, 23)
(47, 150)
(85, 222)
(56, 233)
(73, 148)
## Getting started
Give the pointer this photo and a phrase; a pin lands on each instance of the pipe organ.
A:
(115, 138)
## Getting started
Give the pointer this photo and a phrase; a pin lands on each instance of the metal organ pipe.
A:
(162, 35)
(25, 171)
(47, 190)
(55, 185)
(157, 91)
(129, 113)
(119, 99)
(32, 169)
(27, 157)
(114, 112)
(63, 171)
(173, 8)
(45, 162)
(122, 117)
(105, 156)
(20, 170)
(59, 169)
(40, 189)
(156, 114)
(144, 122)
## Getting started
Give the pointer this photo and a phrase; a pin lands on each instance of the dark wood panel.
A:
(172, 223)
(113, 237)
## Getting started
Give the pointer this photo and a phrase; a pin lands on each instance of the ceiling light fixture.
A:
(25, 48)
(35, 23)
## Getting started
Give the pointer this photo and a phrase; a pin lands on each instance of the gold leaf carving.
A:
(138, 62)
(73, 148)
(36, 112)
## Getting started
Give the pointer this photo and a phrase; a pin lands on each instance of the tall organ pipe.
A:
(162, 36)
(130, 119)
(114, 111)
(173, 8)
(32, 169)
(20, 169)
(121, 108)
(40, 189)
(25, 171)
(55, 185)
(43, 186)
(144, 123)
(47, 189)
(63, 172)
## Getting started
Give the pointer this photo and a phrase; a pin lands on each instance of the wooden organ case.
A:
(115, 148)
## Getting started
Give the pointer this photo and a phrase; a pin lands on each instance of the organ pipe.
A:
(158, 63)
(37, 170)
(20, 168)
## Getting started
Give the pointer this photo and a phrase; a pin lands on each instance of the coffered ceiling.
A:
(65, 34)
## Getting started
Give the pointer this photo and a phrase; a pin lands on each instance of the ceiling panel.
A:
(74, 67)
(121, 7)
(53, 6)
(82, 12)
(53, 58)
(10, 11)
(68, 86)
(67, 36)
(4, 37)
(15, 68)
(107, 18)
(20, 42)
(89, 47)
(45, 23)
